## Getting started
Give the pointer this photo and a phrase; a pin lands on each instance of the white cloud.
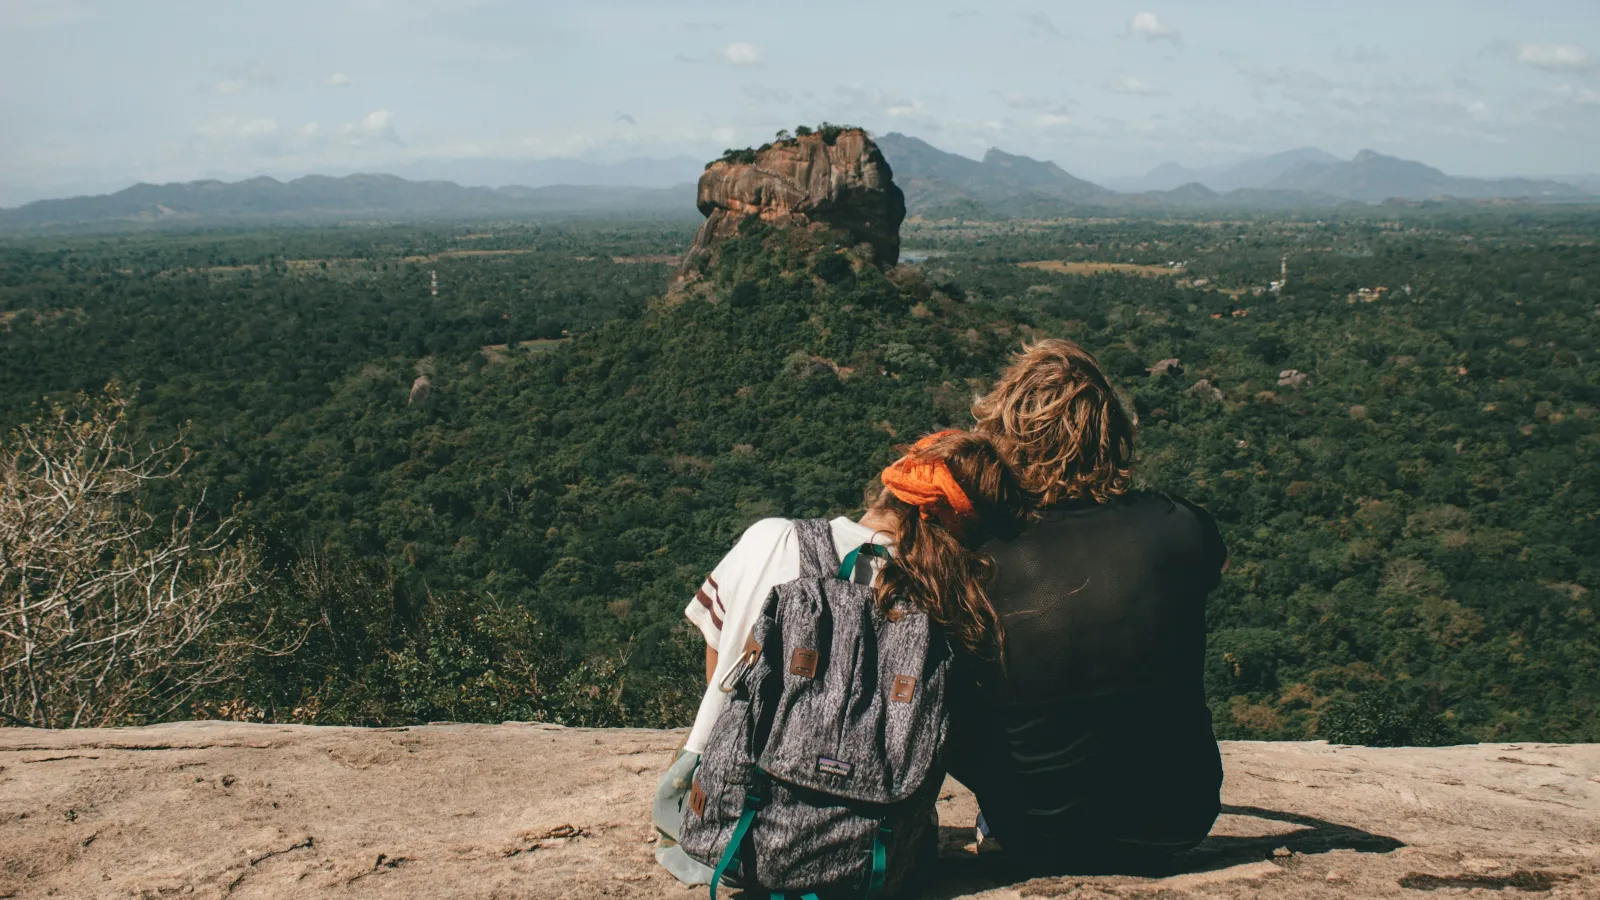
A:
(1150, 27)
(1556, 57)
(1578, 96)
(236, 80)
(1127, 84)
(337, 79)
(1050, 120)
(1479, 111)
(235, 128)
(742, 54)
(376, 127)
(723, 135)
(310, 129)
(856, 103)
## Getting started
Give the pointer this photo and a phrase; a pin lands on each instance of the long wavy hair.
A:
(937, 567)
(1068, 433)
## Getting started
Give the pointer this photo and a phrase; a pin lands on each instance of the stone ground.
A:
(539, 812)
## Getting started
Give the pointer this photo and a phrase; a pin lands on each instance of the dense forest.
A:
(494, 502)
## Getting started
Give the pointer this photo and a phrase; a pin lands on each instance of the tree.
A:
(107, 615)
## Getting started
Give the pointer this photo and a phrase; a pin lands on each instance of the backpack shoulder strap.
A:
(818, 558)
(847, 568)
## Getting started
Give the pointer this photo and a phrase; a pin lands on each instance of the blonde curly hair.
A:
(1068, 433)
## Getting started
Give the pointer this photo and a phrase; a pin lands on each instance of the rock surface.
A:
(843, 183)
(213, 809)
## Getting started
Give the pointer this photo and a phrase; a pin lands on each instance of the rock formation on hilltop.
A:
(540, 812)
(832, 178)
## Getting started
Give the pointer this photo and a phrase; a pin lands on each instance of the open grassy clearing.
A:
(499, 352)
(459, 254)
(669, 259)
(1064, 267)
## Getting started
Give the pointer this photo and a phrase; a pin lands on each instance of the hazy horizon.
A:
(106, 95)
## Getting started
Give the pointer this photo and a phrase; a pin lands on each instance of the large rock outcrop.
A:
(834, 179)
(540, 812)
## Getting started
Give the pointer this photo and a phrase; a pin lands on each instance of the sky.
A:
(99, 94)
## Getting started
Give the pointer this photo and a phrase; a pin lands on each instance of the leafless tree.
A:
(107, 615)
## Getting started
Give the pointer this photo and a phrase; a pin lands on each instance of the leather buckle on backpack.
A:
(905, 687)
(697, 799)
(804, 663)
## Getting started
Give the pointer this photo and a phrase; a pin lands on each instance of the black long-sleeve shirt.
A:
(1091, 735)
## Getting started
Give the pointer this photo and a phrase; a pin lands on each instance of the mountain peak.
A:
(833, 177)
(1001, 157)
(935, 179)
(995, 157)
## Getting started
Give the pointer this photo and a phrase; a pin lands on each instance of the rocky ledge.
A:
(836, 179)
(213, 809)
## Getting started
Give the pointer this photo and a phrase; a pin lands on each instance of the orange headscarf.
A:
(928, 485)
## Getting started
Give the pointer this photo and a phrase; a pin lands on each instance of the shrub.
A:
(1240, 660)
(832, 268)
(1383, 718)
(830, 132)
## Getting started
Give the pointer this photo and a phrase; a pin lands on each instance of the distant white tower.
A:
(1283, 273)
(433, 286)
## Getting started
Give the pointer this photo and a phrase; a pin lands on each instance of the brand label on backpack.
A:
(834, 766)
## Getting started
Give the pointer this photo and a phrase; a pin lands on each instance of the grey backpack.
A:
(822, 773)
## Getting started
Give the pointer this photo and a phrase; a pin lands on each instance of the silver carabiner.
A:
(730, 680)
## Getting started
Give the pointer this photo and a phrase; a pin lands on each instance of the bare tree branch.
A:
(106, 616)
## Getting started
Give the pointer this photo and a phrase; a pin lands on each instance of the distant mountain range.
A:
(640, 172)
(934, 179)
(936, 183)
(1368, 177)
(1373, 177)
(322, 198)
(1251, 173)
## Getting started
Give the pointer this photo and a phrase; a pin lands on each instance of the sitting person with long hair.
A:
(948, 495)
(1089, 744)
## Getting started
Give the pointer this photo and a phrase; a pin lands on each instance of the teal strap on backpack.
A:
(880, 860)
(880, 870)
(730, 857)
(847, 569)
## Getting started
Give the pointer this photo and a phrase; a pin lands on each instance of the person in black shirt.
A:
(1085, 733)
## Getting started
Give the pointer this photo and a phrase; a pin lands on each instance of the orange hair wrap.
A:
(928, 485)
